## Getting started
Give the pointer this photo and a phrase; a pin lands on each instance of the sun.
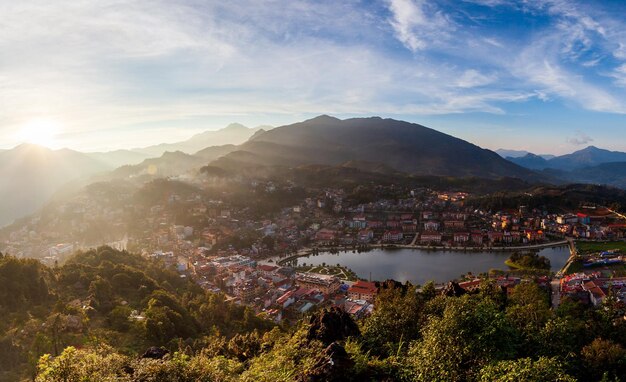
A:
(39, 131)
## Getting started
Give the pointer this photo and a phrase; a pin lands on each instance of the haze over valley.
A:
(313, 191)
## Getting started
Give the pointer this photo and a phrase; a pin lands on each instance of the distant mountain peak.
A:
(257, 133)
(235, 126)
(30, 146)
(591, 148)
(323, 118)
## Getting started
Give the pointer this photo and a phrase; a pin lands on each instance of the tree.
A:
(526, 370)
(167, 319)
(74, 365)
(471, 333)
(101, 292)
(603, 358)
(396, 320)
(528, 311)
(119, 318)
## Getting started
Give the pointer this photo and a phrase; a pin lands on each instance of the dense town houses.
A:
(224, 246)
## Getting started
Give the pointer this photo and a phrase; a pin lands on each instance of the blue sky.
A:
(545, 76)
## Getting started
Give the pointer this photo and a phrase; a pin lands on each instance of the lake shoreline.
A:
(417, 265)
(312, 251)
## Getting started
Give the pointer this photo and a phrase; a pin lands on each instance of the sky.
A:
(545, 76)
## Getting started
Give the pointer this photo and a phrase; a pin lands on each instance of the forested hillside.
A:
(106, 297)
(75, 323)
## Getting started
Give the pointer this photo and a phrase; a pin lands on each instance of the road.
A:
(555, 284)
(617, 213)
(572, 256)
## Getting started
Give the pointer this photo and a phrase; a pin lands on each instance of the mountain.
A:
(402, 146)
(506, 153)
(31, 174)
(169, 164)
(530, 161)
(612, 173)
(214, 152)
(589, 165)
(587, 157)
(234, 133)
(118, 158)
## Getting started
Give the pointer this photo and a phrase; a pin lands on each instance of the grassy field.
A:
(586, 247)
(618, 270)
(339, 271)
(520, 267)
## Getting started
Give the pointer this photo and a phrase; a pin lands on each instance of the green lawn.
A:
(577, 266)
(521, 267)
(341, 272)
(586, 248)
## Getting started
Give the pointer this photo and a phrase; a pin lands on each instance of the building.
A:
(390, 236)
(430, 237)
(325, 236)
(286, 299)
(596, 293)
(461, 237)
(366, 235)
(431, 226)
(454, 224)
(363, 290)
(567, 219)
(477, 238)
(495, 236)
(323, 283)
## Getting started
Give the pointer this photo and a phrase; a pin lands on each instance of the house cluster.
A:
(506, 282)
(589, 223)
(275, 292)
(434, 222)
(592, 287)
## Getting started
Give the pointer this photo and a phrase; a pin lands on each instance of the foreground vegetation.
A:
(528, 261)
(88, 302)
(411, 336)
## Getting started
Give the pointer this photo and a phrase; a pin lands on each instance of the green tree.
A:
(119, 318)
(471, 333)
(528, 311)
(395, 322)
(102, 295)
(74, 365)
(526, 370)
(603, 358)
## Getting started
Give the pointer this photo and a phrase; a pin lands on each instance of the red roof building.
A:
(363, 290)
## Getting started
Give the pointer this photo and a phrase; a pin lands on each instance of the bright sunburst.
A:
(39, 131)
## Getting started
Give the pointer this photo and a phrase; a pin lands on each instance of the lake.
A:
(420, 266)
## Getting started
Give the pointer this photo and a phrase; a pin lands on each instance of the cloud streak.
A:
(179, 64)
(580, 139)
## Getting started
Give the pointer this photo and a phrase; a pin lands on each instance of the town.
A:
(241, 243)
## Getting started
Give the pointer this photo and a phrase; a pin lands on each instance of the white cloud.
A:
(417, 23)
(619, 74)
(473, 78)
(580, 139)
(172, 64)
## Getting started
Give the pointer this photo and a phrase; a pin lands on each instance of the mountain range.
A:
(589, 165)
(506, 153)
(587, 157)
(234, 133)
(30, 175)
(399, 145)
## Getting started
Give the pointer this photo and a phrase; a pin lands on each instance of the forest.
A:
(75, 323)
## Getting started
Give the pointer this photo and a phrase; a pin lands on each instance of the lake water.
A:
(420, 266)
